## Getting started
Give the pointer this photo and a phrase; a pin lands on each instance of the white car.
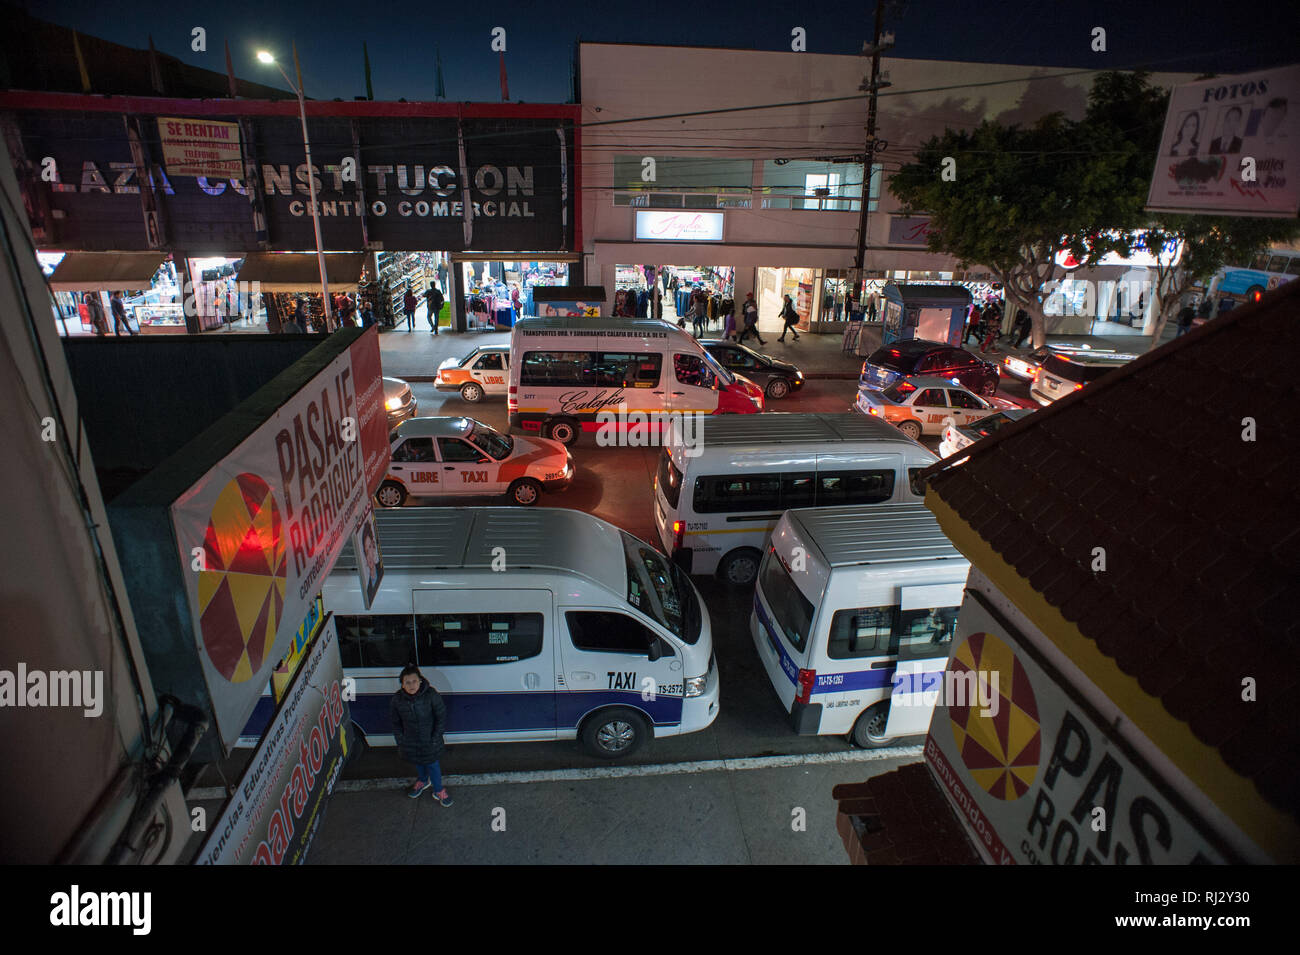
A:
(958, 436)
(461, 457)
(484, 371)
(917, 406)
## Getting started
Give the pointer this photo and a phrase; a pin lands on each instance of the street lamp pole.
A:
(311, 181)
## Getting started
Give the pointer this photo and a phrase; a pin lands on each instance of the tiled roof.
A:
(1201, 528)
(900, 818)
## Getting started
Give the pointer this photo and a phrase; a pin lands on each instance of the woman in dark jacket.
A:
(419, 719)
(789, 318)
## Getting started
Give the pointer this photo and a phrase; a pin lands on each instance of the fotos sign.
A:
(1035, 779)
(273, 815)
(199, 147)
(259, 532)
(1231, 146)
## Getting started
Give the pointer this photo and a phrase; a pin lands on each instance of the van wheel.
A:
(911, 429)
(869, 730)
(525, 491)
(562, 430)
(391, 494)
(471, 392)
(740, 567)
(778, 388)
(989, 388)
(614, 733)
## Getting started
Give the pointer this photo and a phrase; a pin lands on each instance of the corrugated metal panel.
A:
(874, 533)
(783, 428)
(110, 271)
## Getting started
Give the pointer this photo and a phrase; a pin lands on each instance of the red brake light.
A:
(513, 389)
(806, 680)
(679, 534)
(874, 411)
(1078, 387)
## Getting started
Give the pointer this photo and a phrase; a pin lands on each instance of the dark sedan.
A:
(777, 378)
(915, 357)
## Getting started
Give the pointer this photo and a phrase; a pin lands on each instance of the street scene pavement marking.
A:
(616, 772)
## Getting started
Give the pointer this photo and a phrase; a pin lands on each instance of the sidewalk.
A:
(684, 814)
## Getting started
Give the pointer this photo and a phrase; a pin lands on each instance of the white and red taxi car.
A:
(484, 371)
(917, 406)
(461, 457)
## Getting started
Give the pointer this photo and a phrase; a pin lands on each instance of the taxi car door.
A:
(415, 464)
(966, 407)
(491, 371)
(465, 469)
(930, 407)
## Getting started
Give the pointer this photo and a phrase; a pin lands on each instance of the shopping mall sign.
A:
(1037, 779)
(278, 805)
(1231, 146)
(258, 533)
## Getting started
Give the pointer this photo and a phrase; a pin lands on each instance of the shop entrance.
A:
(498, 292)
(635, 285)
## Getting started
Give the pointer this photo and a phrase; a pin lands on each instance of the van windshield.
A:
(661, 590)
(793, 612)
(726, 377)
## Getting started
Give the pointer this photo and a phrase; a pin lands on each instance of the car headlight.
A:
(695, 685)
(392, 404)
(799, 375)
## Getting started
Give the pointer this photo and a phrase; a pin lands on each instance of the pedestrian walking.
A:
(1021, 327)
(386, 304)
(992, 320)
(696, 314)
(433, 301)
(972, 320)
(409, 303)
(419, 719)
(729, 322)
(749, 316)
(119, 314)
(1185, 318)
(367, 315)
(789, 319)
(96, 309)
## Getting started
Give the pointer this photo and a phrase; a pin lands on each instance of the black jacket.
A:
(418, 723)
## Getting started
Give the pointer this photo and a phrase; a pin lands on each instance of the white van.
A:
(587, 633)
(853, 618)
(717, 496)
(565, 371)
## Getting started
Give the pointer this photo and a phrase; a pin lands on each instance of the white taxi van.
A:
(591, 634)
(717, 499)
(461, 457)
(484, 371)
(854, 614)
(564, 372)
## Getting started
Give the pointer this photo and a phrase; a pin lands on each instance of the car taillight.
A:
(679, 534)
(874, 411)
(806, 680)
(1077, 387)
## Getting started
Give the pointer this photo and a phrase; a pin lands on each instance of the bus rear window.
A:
(670, 479)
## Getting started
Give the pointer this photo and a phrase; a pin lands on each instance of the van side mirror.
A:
(656, 649)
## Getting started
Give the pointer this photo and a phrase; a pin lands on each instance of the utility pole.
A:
(872, 85)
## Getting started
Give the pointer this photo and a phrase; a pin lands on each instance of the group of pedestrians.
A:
(99, 320)
(985, 323)
(748, 318)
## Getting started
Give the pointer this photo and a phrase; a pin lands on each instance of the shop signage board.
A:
(1027, 769)
(199, 147)
(909, 230)
(280, 801)
(1231, 146)
(258, 533)
(1140, 258)
(409, 182)
(665, 226)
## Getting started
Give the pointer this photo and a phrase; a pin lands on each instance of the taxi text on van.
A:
(565, 371)
(716, 502)
(854, 614)
(533, 625)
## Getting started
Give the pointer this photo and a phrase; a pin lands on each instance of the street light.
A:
(264, 56)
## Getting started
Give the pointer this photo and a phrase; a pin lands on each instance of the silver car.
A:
(398, 401)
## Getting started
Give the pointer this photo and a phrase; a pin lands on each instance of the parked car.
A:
(917, 357)
(484, 371)
(917, 406)
(958, 436)
(461, 457)
(398, 401)
(777, 378)
(1064, 374)
(1026, 366)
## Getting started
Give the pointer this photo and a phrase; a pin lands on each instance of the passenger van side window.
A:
(720, 494)
(379, 640)
(608, 632)
(854, 487)
(926, 633)
(615, 370)
(914, 481)
(476, 639)
(557, 368)
(864, 632)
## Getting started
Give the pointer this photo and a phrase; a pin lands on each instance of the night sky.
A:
(1188, 36)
